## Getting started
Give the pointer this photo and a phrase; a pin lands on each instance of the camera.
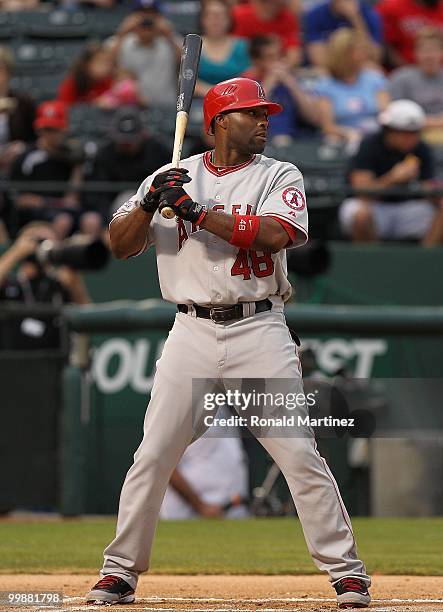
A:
(78, 252)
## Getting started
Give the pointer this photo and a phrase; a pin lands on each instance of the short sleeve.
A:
(287, 201)
(365, 158)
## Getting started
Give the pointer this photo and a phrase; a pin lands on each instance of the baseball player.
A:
(223, 263)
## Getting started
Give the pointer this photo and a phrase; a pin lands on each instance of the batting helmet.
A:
(235, 94)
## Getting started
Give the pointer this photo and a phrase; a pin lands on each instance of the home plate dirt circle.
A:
(157, 593)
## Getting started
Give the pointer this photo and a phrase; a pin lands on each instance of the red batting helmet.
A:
(235, 94)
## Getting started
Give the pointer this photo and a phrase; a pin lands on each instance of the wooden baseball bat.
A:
(186, 84)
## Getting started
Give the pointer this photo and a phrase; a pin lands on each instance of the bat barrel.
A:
(186, 85)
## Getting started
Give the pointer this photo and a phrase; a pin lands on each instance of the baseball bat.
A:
(186, 84)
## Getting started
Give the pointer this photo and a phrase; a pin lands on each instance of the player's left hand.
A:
(182, 204)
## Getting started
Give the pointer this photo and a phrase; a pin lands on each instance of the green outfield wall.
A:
(93, 421)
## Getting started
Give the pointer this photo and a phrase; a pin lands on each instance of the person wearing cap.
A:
(51, 158)
(146, 45)
(393, 160)
(131, 152)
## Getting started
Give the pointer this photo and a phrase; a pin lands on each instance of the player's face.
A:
(247, 129)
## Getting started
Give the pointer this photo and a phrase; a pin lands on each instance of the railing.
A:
(336, 192)
(156, 314)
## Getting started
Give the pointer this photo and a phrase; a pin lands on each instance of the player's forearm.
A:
(271, 235)
(128, 233)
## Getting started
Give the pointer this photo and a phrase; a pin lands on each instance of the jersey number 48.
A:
(248, 262)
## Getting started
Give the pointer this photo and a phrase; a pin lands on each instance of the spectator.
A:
(323, 19)
(211, 475)
(282, 87)
(35, 283)
(123, 92)
(223, 56)
(402, 21)
(130, 156)
(145, 44)
(352, 95)
(51, 158)
(91, 76)
(396, 158)
(19, 5)
(17, 114)
(423, 83)
(260, 17)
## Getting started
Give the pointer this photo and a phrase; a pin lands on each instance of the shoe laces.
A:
(107, 581)
(352, 584)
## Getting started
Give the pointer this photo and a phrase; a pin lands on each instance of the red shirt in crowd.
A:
(402, 20)
(248, 24)
(68, 93)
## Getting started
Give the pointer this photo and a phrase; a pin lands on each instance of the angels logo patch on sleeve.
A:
(294, 198)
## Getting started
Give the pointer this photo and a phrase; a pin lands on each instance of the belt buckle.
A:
(213, 314)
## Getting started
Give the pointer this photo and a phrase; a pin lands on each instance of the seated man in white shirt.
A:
(211, 479)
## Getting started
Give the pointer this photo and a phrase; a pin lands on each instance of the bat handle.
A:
(180, 128)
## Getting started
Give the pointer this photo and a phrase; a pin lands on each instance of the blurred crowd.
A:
(363, 78)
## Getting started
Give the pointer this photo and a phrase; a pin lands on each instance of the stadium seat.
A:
(8, 25)
(41, 87)
(104, 23)
(89, 123)
(183, 14)
(312, 156)
(56, 23)
(42, 57)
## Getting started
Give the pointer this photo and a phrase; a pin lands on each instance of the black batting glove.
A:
(182, 204)
(172, 177)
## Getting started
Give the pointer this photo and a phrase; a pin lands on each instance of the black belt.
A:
(221, 314)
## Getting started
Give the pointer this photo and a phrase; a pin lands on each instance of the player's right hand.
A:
(174, 177)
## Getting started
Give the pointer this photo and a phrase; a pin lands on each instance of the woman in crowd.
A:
(352, 94)
(90, 77)
(223, 56)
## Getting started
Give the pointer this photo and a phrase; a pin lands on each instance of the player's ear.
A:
(220, 120)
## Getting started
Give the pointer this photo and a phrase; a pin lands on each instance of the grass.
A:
(255, 546)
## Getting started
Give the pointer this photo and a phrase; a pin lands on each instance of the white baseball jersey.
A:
(194, 266)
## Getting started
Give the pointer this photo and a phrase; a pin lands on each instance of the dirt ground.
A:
(236, 593)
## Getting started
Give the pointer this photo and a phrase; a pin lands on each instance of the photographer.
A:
(146, 45)
(35, 283)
